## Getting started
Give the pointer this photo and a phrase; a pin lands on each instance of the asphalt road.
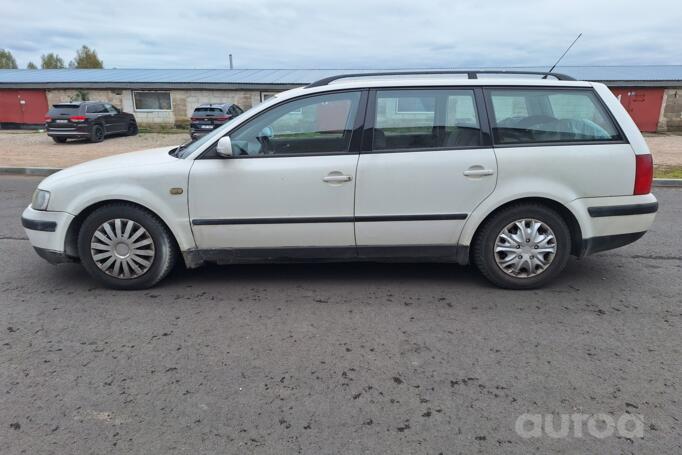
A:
(327, 359)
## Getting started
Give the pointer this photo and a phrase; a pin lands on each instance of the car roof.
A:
(214, 105)
(426, 81)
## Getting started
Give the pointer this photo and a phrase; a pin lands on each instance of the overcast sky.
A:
(345, 34)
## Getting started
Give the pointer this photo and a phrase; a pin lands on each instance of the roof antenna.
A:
(562, 55)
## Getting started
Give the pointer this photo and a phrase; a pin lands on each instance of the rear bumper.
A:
(608, 242)
(82, 130)
(611, 222)
(57, 133)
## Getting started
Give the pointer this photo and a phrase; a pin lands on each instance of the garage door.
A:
(23, 106)
(643, 104)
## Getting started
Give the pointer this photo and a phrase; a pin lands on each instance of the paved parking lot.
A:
(369, 358)
(35, 149)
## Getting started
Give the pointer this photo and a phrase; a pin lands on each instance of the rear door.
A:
(99, 112)
(429, 162)
(119, 121)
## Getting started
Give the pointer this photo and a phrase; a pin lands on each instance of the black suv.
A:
(87, 119)
(206, 117)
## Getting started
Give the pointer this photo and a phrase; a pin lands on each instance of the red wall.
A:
(23, 106)
(643, 105)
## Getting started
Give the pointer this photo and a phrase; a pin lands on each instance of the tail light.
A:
(48, 118)
(222, 118)
(194, 119)
(644, 174)
(77, 118)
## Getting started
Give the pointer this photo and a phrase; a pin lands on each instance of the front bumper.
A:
(46, 230)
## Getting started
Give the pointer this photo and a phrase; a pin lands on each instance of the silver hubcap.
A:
(525, 248)
(122, 248)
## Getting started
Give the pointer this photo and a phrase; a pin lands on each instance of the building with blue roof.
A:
(168, 96)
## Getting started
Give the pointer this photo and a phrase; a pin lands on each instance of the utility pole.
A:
(231, 66)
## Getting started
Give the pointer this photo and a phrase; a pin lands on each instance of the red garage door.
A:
(643, 104)
(22, 106)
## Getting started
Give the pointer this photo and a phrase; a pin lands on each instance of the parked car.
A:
(207, 117)
(513, 175)
(93, 120)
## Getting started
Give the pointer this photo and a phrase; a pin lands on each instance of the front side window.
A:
(313, 125)
(425, 119)
(522, 116)
(152, 101)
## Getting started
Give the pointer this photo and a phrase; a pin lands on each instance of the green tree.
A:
(7, 60)
(31, 66)
(51, 61)
(86, 58)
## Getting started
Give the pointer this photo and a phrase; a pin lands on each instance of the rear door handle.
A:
(337, 178)
(478, 172)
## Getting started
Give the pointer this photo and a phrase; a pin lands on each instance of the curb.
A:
(40, 171)
(45, 171)
(670, 183)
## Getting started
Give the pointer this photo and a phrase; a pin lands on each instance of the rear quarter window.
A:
(527, 116)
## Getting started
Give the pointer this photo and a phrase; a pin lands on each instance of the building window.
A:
(264, 96)
(152, 101)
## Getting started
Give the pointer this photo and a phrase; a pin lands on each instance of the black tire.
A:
(59, 140)
(162, 262)
(97, 133)
(483, 254)
(132, 129)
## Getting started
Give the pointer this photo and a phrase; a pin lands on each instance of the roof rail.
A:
(471, 74)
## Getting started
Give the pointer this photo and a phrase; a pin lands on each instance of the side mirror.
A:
(224, 147)
(267, 132)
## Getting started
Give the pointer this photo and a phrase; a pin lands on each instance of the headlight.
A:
(40, 200)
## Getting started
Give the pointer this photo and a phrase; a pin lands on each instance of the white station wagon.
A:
(511, 171)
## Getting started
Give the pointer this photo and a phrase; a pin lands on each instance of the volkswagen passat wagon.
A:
(512, 174)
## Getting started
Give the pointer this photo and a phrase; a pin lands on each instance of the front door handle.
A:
(337, 177)
(478, 172)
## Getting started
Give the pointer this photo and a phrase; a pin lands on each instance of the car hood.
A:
(129, 161)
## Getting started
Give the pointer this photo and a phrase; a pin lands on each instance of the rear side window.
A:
(425, 119)
(96, 109)
(526, 116)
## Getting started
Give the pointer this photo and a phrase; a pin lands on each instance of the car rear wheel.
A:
(523, 246)
(132, 129)
(97, 134)
(124, 246)
(59, 140)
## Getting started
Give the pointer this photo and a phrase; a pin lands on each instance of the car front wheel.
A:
(523, 246)
(124, 246)
(132, 129)
(59, 140)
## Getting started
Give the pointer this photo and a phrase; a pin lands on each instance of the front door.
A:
(290, 184)
(429, 166)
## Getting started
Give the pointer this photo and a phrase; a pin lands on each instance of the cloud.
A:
(345, 34)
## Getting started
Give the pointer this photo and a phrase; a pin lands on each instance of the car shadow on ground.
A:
(353, 274)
